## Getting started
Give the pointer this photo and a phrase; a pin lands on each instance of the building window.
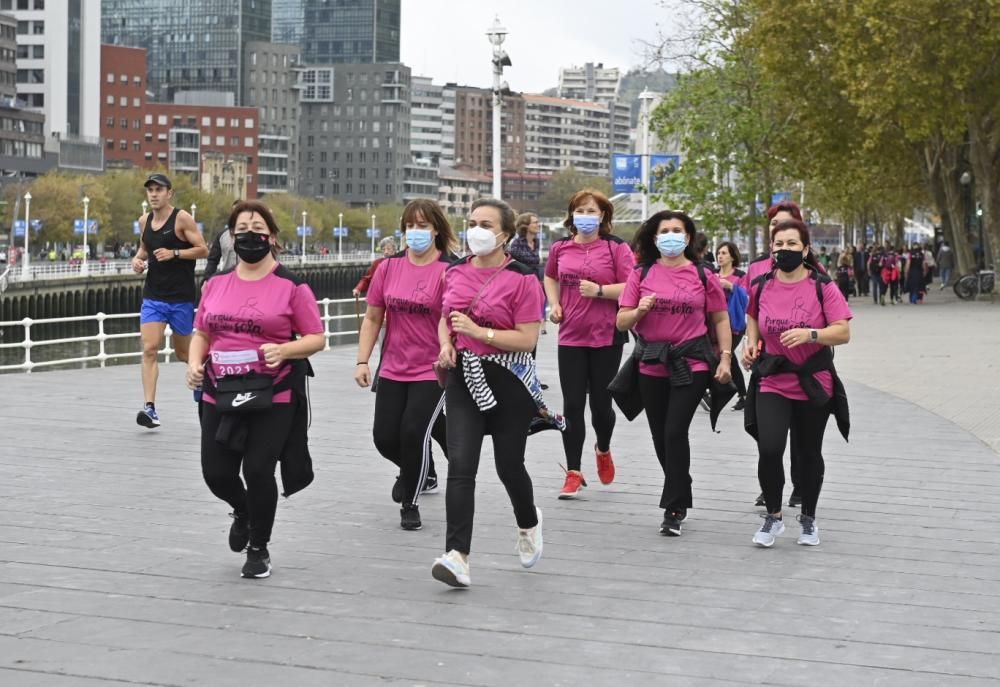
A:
(111, 143)
(111, 122)
(161, 156)
(123, 145)
(136, 146)
(234, 123)
(234, 141)
(248, 142)
(111, 77)
(220, 121)
(110, 100)
(137, 80)
(206, 121)
(148, 156)
(123, 78)
(135, 102)
(220, 140)
(149, 119)
(161, 120)
(123, 101)
(136, 124)
(248, 123)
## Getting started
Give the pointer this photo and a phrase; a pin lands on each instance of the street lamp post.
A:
(304, 215)
(645, 98)
(86, 244)
(372, 232)
(340, 236)
(497, 34)
(26, 264)
(966, 181)
(194, 208)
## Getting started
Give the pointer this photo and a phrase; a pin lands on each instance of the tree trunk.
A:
(984, 153)
(951, 164)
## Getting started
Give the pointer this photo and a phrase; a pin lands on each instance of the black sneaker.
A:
(409, 517)
(671, 525)
(239, 531)
(258, 563)
(397, 490)
(430, 484)
(760, 500)
(795, 500)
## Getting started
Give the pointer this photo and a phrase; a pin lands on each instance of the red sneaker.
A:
(573, 484)
(605, 466)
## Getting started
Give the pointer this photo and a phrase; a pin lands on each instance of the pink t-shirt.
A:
(680, 312)
(588, 322)
(790, 306)
(240, 316)
(513, 297)
(411, 295)
(735, 279)
(757, 268)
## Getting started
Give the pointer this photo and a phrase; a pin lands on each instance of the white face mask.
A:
(481, 241)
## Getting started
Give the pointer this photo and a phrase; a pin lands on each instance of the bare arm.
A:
(370, 327)
(551, 286)
(275, 354)
(187, 230)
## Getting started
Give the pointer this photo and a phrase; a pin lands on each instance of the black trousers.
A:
(508, 424)
(220, 466)
(669, 411)
(584, 370)
(776, 417)
(737, 369)
(402, 413)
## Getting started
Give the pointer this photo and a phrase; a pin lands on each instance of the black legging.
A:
(669, 411)
(584, 370)
(737, 370)
(776, 415)
(267, 432)
(508, 423)
(402, 413)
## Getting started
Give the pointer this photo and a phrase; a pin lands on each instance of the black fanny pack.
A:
(244, 393)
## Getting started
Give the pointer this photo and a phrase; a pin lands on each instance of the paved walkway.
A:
(114, 567)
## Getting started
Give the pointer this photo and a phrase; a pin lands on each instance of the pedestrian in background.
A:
(525, 248)
(733, 281)
(945, 263)
(388, 248)
(845, 274)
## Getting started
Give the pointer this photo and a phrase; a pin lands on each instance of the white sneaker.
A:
(810, 532)
(529, 542)
(771, 529)
(452, 569)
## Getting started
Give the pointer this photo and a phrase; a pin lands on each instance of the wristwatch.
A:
(489, 335)
(813, 335)
(177, 253)
(600, 291)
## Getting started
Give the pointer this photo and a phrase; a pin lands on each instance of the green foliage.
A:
(563, 185)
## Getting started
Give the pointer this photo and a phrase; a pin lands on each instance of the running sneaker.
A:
(239, 531)
(258, 563)
(573, 484)
(147, 417)
(672, 520)
(452, 569)
(795, 500)
(409, 517)
(760, 500)
(810, 532)
(397, 490)
(529, 542)
(430, 484)
(605, 466)
(771, 529)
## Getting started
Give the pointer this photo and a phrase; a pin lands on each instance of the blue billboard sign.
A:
(340, 231)
(304, 231)
(136, 228)
(626, 173)
(782, 197)
(373, 233)
(91, 226)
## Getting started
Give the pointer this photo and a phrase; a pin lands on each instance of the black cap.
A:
(158, 179)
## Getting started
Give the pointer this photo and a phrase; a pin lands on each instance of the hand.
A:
(463, 324)
(646, 304)
(795, 337)
(195, 375)
(363, 375)
(751, 351)
(274, 354)
(163, 254)
(726, 285)
(355, 292)
(588, 289)
(723, 373)
(447, 356)
(555, 314)
(138, 265)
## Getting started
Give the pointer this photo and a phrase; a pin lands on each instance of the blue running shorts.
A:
(180, 316)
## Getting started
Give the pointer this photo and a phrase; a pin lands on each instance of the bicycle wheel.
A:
(967, 287)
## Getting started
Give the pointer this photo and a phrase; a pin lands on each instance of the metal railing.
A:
(102, 337)
(4, 278)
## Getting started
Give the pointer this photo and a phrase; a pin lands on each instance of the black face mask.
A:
(788, 260)
(252, 247)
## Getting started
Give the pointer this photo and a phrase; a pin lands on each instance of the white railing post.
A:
(101, 338)
(326, 324)
(27, 344)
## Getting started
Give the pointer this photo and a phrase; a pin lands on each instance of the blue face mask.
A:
(671, 244)
(586, 224)
(418, 240)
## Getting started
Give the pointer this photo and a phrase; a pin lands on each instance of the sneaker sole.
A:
(568, 497)
(442, 573)
(807, 543)
(259, 576)
(762, 544)
(667, 532)
(411, 528)
(145, 421)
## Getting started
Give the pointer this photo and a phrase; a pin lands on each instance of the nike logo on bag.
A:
(241, 399)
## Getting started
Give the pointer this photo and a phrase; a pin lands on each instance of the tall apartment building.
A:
(271, 85)
(350, 31)
(58, 70)
(354, 130)
(560, 133)
(591, 82)
(426, 126)
(288, 18)
(8, 57)
(179, 136)
(193, 45)
(22, 132)
(474, 130)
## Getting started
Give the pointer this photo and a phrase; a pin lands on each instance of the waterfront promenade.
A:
(114, 567)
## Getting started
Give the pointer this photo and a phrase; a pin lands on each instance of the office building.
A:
(271, 83)
(591, 82)
(474, 130)
(354, 130)
(350, 31)
(560, 133)
(8, 57)
(193, 45)
(288, 19)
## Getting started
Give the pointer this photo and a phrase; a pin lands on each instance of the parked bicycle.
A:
(972, 285)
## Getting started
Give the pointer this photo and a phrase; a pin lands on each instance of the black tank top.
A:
(171, 281)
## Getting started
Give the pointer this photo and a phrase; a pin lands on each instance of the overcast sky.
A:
(446, 39)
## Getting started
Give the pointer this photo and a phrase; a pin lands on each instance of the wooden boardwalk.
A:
(114, 567)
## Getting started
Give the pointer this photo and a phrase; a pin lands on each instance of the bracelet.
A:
(361, 364)
(729, 353)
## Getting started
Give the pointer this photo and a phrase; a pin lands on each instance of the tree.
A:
(563, 185)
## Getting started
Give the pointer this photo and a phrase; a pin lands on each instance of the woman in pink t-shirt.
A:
(733, 280)
(669, 299)
(490, 326)
(795, 316)
(257, 320)
(405, 293)
(584, 276)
